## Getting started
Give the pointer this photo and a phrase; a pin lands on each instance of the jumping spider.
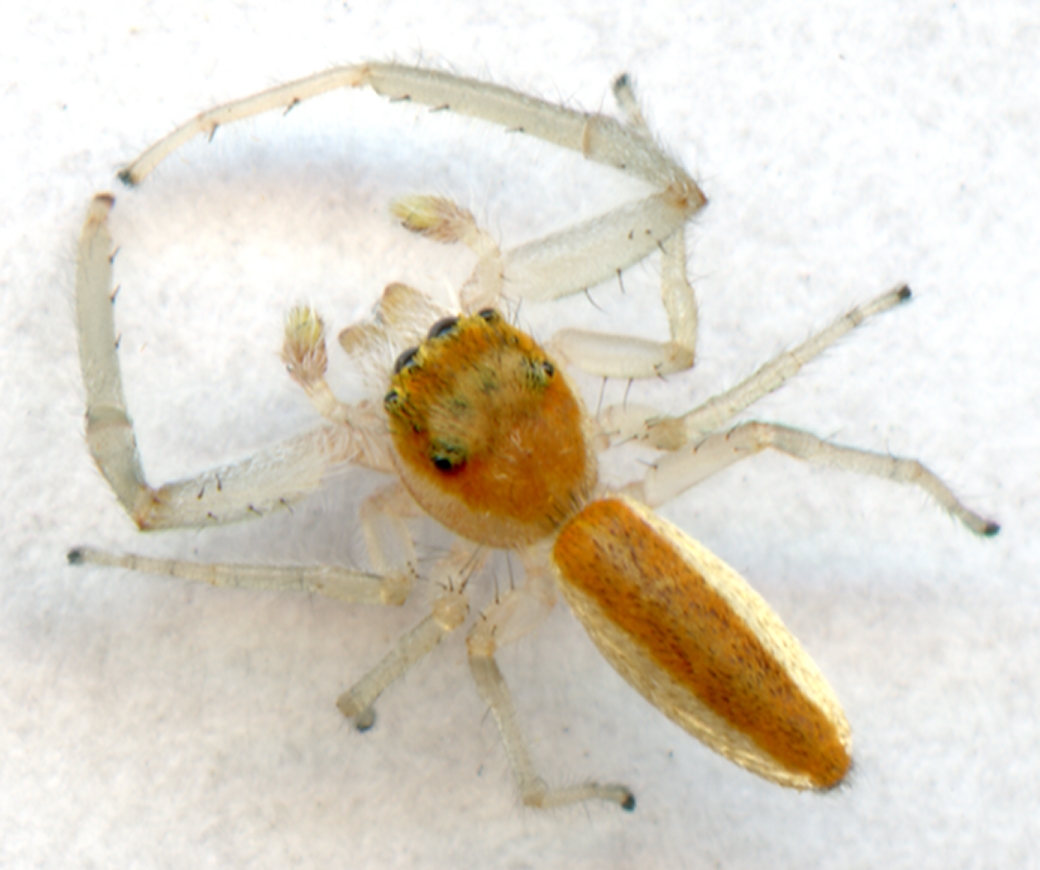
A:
(482, 431)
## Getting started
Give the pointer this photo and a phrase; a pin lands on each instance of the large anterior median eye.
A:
(447, 459)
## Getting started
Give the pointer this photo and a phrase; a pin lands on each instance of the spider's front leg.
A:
(559, 264)
(588, 253)
(565, 263)
(272, 479)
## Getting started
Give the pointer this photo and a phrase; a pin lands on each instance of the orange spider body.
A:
(484, 433)
(492, 442)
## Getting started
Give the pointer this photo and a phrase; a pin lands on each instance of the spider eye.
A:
(442, 327)
(447, 457)
(488, 314)
(538, 372)
(405, 360)
(391, 400)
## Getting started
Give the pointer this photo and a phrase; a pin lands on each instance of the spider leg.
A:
(624, 423)
(699, 449)
(271, 479)
(391, 552)
(332, 581)
(559, 264)
(515, 614)
(573, 260)
(627, 147)
(678, 471)
(628, 357)
(569, 262)
(387, 540)
(450, 609)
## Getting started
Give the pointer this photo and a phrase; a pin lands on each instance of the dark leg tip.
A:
(365, 720)
(629, 803)
(75, 556)
(990, 529)
(904, 293)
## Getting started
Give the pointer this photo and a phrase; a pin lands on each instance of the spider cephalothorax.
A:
(489, 437)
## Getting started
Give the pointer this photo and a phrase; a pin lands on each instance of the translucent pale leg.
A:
(449, 611)
(519, 611)
(271, 479)
(627, 147)
(569, 262)
(699, 450)
(622, 423)
(580, 257)
(333, 581)
(536, 270)
(391, 552)
(613, 356)
(559, 264)
(389, 546)
(678, 471)
(387, 539)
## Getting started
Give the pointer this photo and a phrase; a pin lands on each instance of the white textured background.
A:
(147, 722)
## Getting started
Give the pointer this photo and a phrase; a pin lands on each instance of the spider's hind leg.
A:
(516, 613)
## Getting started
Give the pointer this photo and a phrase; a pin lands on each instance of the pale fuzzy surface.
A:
(149, 723)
